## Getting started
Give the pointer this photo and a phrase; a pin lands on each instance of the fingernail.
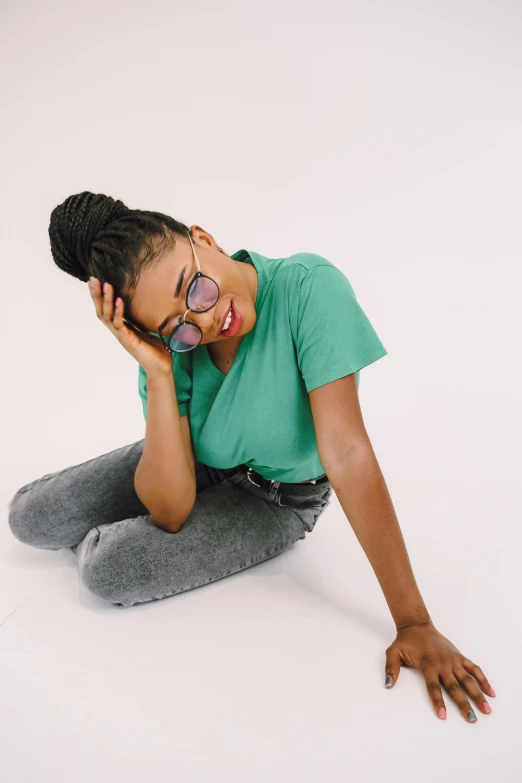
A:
(492, 692)
(442, 713)
(471, 716)
(486, 706)
(388, 682)
(105, 287)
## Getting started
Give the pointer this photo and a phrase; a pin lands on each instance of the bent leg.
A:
(59, 509)
(133, 561)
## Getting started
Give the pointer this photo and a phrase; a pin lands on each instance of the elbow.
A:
(167, 526)
(171, 520)
(171, 523)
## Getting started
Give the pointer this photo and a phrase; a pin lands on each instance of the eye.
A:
(184, 291)
(172, 325)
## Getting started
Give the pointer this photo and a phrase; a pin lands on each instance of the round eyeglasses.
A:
(202, 295)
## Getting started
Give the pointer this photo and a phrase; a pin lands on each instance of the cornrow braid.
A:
(92, 234)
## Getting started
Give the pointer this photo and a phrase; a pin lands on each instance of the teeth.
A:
(227, 320)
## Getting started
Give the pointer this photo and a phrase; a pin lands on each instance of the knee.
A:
(19, 520)
(101, 576)
(102, 587)
(25, 521)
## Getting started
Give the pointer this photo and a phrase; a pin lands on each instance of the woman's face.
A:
(155, 302)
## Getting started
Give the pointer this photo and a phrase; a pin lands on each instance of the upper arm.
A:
(338, 421)
(187, 441)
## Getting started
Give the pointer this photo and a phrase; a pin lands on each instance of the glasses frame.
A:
(166, 340)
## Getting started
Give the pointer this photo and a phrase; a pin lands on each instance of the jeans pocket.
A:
(237, 479)
(316, 502)
(326, 497)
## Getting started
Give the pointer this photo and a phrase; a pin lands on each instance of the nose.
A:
(206, 320)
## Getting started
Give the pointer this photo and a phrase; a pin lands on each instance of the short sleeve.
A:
(182, 369)
(334, 335)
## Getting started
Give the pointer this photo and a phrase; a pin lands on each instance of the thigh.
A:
(58, 509)
(133, 561)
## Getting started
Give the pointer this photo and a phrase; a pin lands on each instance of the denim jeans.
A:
(124, 559)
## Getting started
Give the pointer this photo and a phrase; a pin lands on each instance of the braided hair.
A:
(95, 235)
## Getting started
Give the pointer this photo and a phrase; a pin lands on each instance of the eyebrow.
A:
(177, 292)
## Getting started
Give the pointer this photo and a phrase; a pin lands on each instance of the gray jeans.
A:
(125, 559)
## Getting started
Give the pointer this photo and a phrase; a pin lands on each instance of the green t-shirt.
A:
(310, 330)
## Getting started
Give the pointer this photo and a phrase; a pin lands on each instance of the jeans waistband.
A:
(257, 478)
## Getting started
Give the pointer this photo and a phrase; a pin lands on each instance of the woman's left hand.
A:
(439, 661)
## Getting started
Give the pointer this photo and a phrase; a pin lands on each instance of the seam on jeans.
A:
(36, 481)
(242, 567)
(22, 490)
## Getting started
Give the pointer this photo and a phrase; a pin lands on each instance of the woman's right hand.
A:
(148, 350)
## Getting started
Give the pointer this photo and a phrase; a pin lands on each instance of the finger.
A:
(479, 675)
(118, 313)
(431, 677)
(393, 666)
(455, 690)
(108, 305)
(122, 331)
(94, 287)
(471, 686)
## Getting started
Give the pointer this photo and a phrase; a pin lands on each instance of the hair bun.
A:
(76, 224)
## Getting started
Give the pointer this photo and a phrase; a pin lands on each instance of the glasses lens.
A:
(184, 337)
(203, 294)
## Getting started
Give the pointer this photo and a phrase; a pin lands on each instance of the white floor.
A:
(272, 674)
(385, 137)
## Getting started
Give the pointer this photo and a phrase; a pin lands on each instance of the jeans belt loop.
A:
(271, 492)
(249, 471)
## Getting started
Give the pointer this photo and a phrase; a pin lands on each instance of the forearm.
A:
(362, 492)
(164, 480)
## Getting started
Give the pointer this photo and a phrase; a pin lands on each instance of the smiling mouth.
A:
(234, 325)
(226, 319)
(221, 325)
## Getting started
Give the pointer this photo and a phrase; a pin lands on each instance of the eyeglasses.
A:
(202, 295)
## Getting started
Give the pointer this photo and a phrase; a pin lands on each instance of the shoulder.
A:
(304, 262)
(302, 270)
(313, 275)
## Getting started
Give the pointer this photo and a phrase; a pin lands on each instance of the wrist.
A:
(159, 372)
(425, 624)
(419, 616)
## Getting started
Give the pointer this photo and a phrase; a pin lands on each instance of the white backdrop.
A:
(384, 136)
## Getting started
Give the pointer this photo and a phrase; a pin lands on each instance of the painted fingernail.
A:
(492, 691)
(105, 287)
(471, 716)
(486, 706)
(442, 713)
(388, 682)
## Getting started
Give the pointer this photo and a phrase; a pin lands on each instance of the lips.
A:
(223, 319)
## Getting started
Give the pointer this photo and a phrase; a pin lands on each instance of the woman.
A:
(252, 364)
